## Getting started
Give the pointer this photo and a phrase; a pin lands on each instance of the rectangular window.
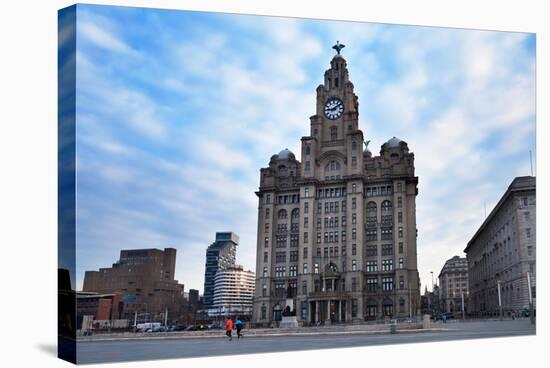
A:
(293, 270)
(265, 256)
(353, 161)
(325, 252)
(305, 252)
(354, 219)
(400, 247)
(294, 256)
(528, 233)
(336, 250)
(326, 207)
(371, 235)
(387, 249)
(308, 165)
(354, 265)
(280, 257)
(306, 192)
(354, 188)
(400, 231)
(268, 199)
(372, 250)
(343, 235)
(372, 266)
(306, 221)
(387, 264)
(326, 236)
(353, 234)
(305, 268)
(387, 283)
(343, 220)
(266, 242)
(343, 206)
(399, 202)
(401, 282)
(316, 268)
(353, 203)
(318, 224)
(319, 207)
(400, 217)
(399, 187)
(306, 207)
(372, 284)
(306, 237)
(354, 249)
(354, 307)
(304, 286)
(387, 233)
(318, 252)
(401, 263)
(318, 238)
(353, 284)
(267, 212)
(343, 250)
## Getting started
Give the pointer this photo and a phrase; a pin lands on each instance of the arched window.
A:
(333, 133)
(371, 309)
(332, 166)
(282, 214)
(308, 150)
(371, 208)
(264, 311)
(386, 206)
(295, 214)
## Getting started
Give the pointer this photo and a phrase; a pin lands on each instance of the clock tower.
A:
(337, 228)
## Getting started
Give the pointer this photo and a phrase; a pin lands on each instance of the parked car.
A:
(524, 312)
(180, 328)
(214, 326)
(191, 328)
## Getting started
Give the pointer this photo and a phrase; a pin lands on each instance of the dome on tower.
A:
(394, 142)
(285, 154)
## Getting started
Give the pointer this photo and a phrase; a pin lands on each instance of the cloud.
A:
(172, 137)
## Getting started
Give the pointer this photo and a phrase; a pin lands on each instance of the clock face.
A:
(334, 108)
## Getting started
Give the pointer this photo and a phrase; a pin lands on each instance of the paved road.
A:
(101, 352)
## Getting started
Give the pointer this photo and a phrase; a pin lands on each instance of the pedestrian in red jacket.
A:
(229, 328)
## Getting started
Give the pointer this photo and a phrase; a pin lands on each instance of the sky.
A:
(176, 112)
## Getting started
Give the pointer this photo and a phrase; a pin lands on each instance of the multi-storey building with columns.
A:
(337, 230)
(502, 253)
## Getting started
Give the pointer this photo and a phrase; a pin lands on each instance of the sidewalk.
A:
(266, 332)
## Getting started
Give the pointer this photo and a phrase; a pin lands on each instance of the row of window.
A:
(371, 266)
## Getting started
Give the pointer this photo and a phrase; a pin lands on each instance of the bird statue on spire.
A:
(339, 46)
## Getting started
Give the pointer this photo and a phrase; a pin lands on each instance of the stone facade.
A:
(337, 230)
(503, 250)
(453, 279)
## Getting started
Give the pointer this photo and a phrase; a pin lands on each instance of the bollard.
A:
(393, 327)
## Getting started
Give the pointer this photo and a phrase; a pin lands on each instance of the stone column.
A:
(327, 320)
(348, 310)
(339, 318)
(317, 312)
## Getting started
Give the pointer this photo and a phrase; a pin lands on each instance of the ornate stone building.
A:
(503, 251)
(337, 230)
(453, 279)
